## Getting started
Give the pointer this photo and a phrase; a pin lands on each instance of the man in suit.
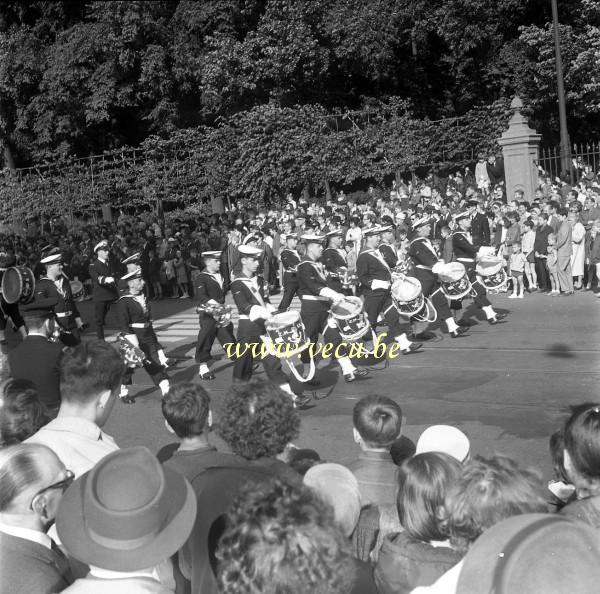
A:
(36, 358)
(30, 561)
(104, 287)
(564, 250)
(553, 219)
(210, 290)
(540, 251)
(480, 227)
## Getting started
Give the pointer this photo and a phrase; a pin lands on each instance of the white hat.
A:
(446, 439)
(53, 257)
(132, 275)
(313, 238)
(215, 255)
(134, 258)
(249, 250)
(373, 231)
(102, 245)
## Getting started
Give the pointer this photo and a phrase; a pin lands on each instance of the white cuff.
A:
(133, 339)
(379, 284)
(329, 293)
(258, 312)
(437, 267)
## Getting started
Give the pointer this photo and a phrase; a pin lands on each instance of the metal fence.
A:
(582, 155)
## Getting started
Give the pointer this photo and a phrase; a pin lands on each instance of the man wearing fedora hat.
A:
(104, 288)
(125, 519)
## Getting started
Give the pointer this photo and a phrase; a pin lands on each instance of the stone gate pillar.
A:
(520, 148)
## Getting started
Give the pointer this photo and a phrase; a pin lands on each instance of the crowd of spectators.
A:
(80, 515)
(259, 515)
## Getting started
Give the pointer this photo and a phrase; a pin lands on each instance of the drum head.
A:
(349, 307)
(281, 320)
(12, 285)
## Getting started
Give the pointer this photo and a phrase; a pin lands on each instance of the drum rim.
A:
(281, 315)
(20, 276)
(413, 313)
(359, 308)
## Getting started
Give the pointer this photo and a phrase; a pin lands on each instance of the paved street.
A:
(506, 386)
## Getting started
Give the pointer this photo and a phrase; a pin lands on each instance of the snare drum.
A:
(18, 285)
(350, 318)
(77, 290)
(287, 328)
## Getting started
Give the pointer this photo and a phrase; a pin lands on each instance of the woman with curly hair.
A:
(21, 412)
(282, 539)
(258, 420)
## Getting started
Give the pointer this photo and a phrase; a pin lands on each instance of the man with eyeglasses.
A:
(32, 482)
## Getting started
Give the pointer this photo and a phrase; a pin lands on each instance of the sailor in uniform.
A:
(387, 246)
(210, 289)
(466, 253)
(55, 285)
(251, 296)
(290, 258)
(315, 299)
(104, 286)
(375, 277)
(135, 323)
(335, 263)
(131, 263)
(425, 259)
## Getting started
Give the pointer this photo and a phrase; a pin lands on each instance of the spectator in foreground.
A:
(377, 425)
(90, 379)
(32, 481)
(421, 553)
(283, 538)
(22, 413)
(125, 519)
(488, 491)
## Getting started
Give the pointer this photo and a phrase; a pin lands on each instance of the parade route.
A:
(506, 386)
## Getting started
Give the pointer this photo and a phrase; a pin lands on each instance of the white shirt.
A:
(28, 534)
(79, 443)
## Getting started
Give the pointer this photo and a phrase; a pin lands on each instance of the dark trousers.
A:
(101, 309)
(249, 334)
(377, 302)
(10, 311)
(429, 286)
(542, 274)
(290, 288)
(207, 335)
(149, 345)
(315, 324)
(480, 298)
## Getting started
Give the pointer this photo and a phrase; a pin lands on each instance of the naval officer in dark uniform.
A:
(335, 263)
(104, 286)
(290, 258)
(210, 289)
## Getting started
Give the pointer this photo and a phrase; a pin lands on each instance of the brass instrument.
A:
(221, 313)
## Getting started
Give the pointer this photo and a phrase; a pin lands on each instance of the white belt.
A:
(314, 298)
(63, 314)
(465, 259)
(423, 267)
(141, 325)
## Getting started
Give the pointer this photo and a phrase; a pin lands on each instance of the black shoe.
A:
(464, 323)
(312, 382)
(84, 327)
(301, 401)
(128, 400)
(207, 376)
(424, 336)
(412, 348)
(170, 362)
(496, 319)
(460, 331)
(355, 375)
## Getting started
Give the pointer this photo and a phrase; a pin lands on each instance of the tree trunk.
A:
(9, 160)
(306, 191)
(327, 191)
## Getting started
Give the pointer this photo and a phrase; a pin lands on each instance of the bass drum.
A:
(18, 285)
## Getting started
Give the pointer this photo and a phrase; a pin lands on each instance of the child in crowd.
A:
(552, 264)
(517, 267)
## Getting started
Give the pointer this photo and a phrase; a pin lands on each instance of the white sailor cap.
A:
(102, 245)
(132, 275)
(215, 255)
(286, 236)
(313, 238)
(377, 230)
(335, 233)
(462, 215)
(422, 221)
(249, 251)
(446, 439)
(132, 259)
(52, 257)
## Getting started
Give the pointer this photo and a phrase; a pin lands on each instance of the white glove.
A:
(437, 267)
(212, 302)
(337, 297)
(109, 280)
(271, 308)
(133, 339)
(379, 284)
(79, 323)
(257, 312)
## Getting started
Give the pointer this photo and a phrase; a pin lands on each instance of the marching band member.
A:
(425, 259)
(334, 261)
(135, 323)
(211, 289)
(9, 311)
(251, 296)
(55, 285)
(375, 276)
(104, 287)
(315, 298)
(387, 248)
(132, 263)
(290, 258)
(466, 253)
